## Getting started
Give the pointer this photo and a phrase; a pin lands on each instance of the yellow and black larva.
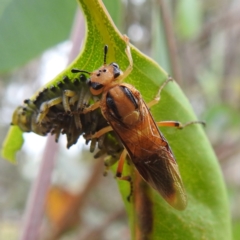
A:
(57, 110)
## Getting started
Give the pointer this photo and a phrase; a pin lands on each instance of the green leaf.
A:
(207, 214)
(13, 143)
(115, 9)
(189, 18)
(28, 28)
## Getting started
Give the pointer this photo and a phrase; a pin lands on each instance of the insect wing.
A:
(161, 172)
(152, 156)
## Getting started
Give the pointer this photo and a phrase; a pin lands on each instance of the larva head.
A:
(22, 118)
(102, 77)
(26, 119)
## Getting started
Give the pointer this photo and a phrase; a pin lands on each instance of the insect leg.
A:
(91, 108)
(45, 106)
(178, 124)
(129, 55)
(99, 133)
(158, 95)
(121, 163)
(119, 173)
(65, 99)
(73, 99)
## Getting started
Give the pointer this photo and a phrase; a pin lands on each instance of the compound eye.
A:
(115, 65)
(96, 85)
(116, 70)
(96, 88)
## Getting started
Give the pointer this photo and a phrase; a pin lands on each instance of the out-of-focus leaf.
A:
(188, 18)
(29, 27)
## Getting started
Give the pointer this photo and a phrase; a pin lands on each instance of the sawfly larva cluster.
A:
(58, 110)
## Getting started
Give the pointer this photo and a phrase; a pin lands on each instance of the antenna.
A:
(105, 50)
(74, 70)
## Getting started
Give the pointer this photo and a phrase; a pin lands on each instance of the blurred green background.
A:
(195, 41)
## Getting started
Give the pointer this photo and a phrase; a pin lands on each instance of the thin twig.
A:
(170, 39)
(35, 206)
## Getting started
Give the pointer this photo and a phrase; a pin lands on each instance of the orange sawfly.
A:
(129, 117)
